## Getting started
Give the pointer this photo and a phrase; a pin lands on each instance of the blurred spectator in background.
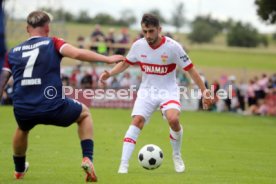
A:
(137, 81)
(256, 88)
(241, 93)
(273, 78)
(110, 39)
(126, 82)
(271, 103)
(216, 86)
(102, 47)
(75, 77)
(183, 79)
(80, 42)
(251, 98)
(96, 36)
(262, 83)
(86, 81)
(223, 80)
(271, 88)
(203, 78)
(65, 80)
(123, 39)
(95, 77)
(97, 33)
(115, 83)
(258, 109)
(234, 102)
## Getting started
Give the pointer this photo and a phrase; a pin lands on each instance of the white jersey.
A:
(158, 64)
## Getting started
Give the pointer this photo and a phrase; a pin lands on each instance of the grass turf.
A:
(217, 148)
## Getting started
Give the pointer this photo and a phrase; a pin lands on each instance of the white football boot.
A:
(123, 169)
(179, 165)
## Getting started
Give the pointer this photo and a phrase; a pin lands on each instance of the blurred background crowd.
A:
(256, 96)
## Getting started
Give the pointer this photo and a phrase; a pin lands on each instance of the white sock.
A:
(129, 143)
(176, 141)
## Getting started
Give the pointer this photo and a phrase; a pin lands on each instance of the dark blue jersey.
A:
(35, 66)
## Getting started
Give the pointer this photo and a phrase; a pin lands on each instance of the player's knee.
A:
(85, 109)
(173, 119)
(84, 113)
(138, 121)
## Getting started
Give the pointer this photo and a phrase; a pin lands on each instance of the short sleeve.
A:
(131, 57)
(6, 66)
(59, 43)
(181, 58)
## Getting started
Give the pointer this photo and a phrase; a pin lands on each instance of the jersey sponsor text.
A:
(29, 47)
(157, 69)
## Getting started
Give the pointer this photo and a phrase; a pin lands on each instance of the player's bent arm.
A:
(119, 68)
(196, 78)
(87, 55)
(5, 76)
(207, 99)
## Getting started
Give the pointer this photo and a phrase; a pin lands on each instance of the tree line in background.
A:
(203, 28)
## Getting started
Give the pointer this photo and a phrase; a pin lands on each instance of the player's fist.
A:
(115, 59)
(103, 77)
(207, 99)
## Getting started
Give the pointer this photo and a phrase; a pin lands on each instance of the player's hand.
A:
(207, 100)
(103, 77)
(115, 59)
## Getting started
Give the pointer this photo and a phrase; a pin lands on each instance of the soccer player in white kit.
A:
(157, 57)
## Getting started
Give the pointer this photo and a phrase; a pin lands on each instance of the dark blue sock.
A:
(87, 147)
(19, 163)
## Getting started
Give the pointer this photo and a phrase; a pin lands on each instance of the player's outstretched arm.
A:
(87, 55)
(120, 67)
(5, 76)
(207, 100)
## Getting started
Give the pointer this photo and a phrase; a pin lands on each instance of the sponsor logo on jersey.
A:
(184, 58)
(30, 47)
(143, 56)
(157, 69)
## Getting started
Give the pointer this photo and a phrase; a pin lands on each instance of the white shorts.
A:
(145, 106)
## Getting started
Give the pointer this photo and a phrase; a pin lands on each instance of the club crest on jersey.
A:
(164, 58)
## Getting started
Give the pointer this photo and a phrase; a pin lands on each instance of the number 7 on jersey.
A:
(31, 61)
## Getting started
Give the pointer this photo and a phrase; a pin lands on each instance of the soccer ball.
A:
(150, 156)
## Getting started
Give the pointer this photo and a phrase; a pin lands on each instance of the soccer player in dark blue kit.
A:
(2, 35)
(35, 67)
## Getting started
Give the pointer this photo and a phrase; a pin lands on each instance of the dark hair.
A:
(38, 19)
(150, 19)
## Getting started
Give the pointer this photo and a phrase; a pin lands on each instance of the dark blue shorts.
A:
(63, 116)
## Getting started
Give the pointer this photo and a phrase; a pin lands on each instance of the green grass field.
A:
(217, 148)
(234, 59)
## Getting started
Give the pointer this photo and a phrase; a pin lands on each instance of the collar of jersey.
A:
(34, 37)
(161, 43)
